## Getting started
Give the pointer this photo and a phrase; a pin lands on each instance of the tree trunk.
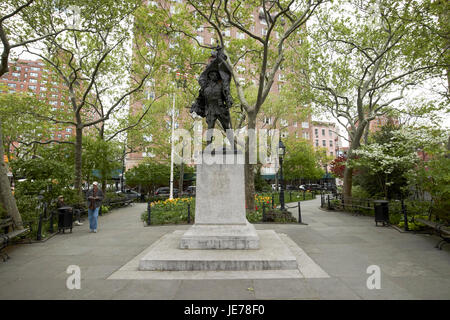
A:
(354, 145)
(103, 182)
(6, 196)
(249, 168)
(78, 158)
(348, 179)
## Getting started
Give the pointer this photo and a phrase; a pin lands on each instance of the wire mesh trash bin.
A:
(65, 219)
(381, 211)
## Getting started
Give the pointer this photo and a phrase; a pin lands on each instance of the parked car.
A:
(165, 192)
(190, 190)
(290, 187)
(312, 187)
(130, 194)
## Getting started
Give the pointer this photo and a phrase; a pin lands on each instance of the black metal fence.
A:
(398, 210)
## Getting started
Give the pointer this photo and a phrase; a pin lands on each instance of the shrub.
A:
(359, 192)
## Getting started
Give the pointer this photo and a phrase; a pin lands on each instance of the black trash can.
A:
(65, 219)
(381, 211)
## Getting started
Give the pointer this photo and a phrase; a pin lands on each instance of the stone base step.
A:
(166, 255)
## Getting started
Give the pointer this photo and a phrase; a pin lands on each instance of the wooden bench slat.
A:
(438, 226)
(16, 233)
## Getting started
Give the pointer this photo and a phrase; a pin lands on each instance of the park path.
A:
(342, 244)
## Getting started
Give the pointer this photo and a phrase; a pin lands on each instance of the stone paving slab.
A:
(305, 266)
(341, 244)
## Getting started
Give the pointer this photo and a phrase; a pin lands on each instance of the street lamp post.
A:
(281, 152)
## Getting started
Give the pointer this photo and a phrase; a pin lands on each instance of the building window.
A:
(267, 120)
(32, 87)
(59, 135)
(331, 143)
(35, 69)
(305, 125)
(295, 124)
(67, 136)
(150, 95)
(33, 81)
(284, 134)
(15, 74)
(296, 134)
(306, 135)
(283, 122)
(317, 143)
(227, 33)
(316, 132)
(68, 129)
(12, 85)
(240, 35)
(331, 153)
(264, 31)
(323, 132)
(33, 74)
(200, 39)
(324, 143)
(174, 10)
(331, 132)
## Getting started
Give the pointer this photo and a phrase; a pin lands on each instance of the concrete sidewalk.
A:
(343, 245)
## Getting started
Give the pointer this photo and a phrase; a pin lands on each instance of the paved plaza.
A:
(341, 244)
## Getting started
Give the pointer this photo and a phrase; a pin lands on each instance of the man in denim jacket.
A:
(94, 201)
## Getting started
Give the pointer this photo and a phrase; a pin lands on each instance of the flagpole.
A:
(172, 148)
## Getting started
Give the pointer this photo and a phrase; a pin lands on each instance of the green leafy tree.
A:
(14, 34)
(364, 58)
(301, 161)
(389, 160)
(91, 65)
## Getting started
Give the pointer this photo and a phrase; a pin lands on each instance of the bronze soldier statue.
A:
(214, 99)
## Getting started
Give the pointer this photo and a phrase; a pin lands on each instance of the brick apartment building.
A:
(326, 135)
(32, 76)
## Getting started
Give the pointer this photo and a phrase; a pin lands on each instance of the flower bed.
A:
(170, 211)
(175, 211)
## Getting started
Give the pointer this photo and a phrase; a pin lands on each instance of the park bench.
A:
(118, 202)
(9, 231)
(355, 204)
(441, 229)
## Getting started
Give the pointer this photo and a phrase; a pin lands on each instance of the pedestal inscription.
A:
(220, 220)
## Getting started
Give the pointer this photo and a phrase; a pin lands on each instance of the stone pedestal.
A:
(220, 220)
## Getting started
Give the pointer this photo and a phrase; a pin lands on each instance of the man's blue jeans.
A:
(93, 217)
